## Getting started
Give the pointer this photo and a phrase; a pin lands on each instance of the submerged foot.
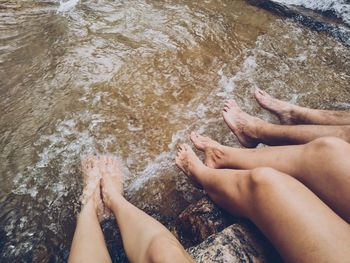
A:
(112, 181)
(189, 163)
(282, 109)
(243, 125)
(91, 194)
(213, 151)
(101, 172)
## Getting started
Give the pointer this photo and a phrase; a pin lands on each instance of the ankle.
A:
(297, 114)
(263, 131)
(258, 129)
(89, 208)
(220, 155)
(197, 168)
(116, 202)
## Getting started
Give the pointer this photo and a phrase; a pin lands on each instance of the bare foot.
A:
(112, 181)
(213, 151)
(243, 125)
(91, 194)
(189, 163)
(282, 109)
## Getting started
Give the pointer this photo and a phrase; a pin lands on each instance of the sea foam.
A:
(341, 8)
(66, 6)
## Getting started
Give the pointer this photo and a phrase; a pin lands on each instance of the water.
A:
(339, 8)
(133, 78)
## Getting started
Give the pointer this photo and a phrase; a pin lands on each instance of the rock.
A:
(236, 243)
(324, 22)
(199, 226)
(201, 220)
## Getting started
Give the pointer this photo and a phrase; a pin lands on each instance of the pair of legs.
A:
(144, 238)
(298, 222)
(303, 124)
(301, 201)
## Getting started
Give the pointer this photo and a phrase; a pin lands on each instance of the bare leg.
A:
(321, 165)
(144, 239)
(293, 114)
(301, 226)
(88, 243)
(251, 131)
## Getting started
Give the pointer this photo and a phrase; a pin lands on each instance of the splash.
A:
(66, 6)
(340, 9)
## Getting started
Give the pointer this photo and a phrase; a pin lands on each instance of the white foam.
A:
(228, 84)
(66, 6)
(58, 146)
(151, 171)
(340, 7)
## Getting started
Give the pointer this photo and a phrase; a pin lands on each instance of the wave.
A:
(335, 8)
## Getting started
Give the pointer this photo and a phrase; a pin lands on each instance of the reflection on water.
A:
(132, 78)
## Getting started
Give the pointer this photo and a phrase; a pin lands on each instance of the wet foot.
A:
(214, 153)
(91, 196)
(243, 125)
(282, 109)
(189, 163)
(112, 181)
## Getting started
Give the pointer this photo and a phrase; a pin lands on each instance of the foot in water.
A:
(282, 109)
(91, 193)
(244, 126)
(94, 169)
(213, 151)
(189, 163)
(112, 181)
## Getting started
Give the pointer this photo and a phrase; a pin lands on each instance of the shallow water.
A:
(133, 78)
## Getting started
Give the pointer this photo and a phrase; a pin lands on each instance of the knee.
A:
(162, 249)
(263, 184)
(263, 178)
(326, 144)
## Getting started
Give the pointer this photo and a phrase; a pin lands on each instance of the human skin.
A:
(300, 125)
(144, 238)
(295, 220)
(293, 114)
(321, 165)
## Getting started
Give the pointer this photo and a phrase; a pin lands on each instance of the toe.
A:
(257, 93)
(196, 140)
(89, 164)
(184, 147)
(233, 104)
(227, 104)
(178, 162)
(109, 159)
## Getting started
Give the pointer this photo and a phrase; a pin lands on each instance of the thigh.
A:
(325, 169)
(298, 223)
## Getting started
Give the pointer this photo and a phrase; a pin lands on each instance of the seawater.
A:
(340, 8)
(133, 78)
